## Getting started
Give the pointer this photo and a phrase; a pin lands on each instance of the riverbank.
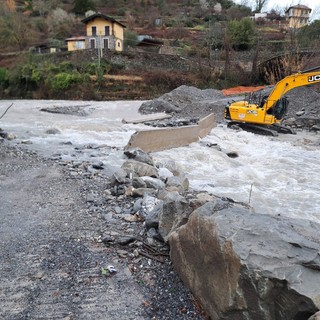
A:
(54, 262)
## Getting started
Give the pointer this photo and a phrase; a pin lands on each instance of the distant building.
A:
(260, 15)
(298, 16)
(102, 32)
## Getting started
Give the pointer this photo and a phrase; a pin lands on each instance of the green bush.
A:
(309, 35)
(241, 33)
(4, 78)
(66, 66)
(27, 77)
(63, 80)
(93, 68)
(115, 67)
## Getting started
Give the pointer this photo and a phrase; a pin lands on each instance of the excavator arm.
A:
(291, 82)
(271, 109)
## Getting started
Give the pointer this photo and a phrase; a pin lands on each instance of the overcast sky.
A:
(278, 5)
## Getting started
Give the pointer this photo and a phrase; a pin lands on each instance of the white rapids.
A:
(277, 175)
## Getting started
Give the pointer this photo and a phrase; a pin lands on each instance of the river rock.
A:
(138, 182)
(164, 173)
(118, 177)
(173, 214)
(53, 131)
(140, 192)
(154, 183)
(152, 209)
(245, 265)
(181, 183)
(300, 113)
(139, 155)
(139, 169)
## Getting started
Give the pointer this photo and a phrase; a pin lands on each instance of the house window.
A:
(119, 44)
(94, 30)
(92, 43)
(106, 43)
(79, 45)
(107, 30)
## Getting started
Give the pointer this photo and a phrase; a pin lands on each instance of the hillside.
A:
(204, 44)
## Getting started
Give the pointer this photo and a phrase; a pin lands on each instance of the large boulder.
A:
(245, 265)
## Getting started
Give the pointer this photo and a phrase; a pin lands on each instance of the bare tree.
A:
(13, 35)
(259, 4)
(40, 6)
(61, 24)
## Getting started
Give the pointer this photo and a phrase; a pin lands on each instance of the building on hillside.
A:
(102, 32)
(298, 16)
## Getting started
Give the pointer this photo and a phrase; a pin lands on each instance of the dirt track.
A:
(50, 265)
(51, 254)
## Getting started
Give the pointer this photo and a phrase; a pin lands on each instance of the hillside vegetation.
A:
(217, 45)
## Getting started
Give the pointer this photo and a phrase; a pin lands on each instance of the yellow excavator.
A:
(264, 114)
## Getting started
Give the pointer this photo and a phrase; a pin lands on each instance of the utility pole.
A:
(99, 51)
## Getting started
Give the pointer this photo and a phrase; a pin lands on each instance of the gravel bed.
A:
(75, 243)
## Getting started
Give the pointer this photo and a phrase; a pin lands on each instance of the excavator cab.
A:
(279, 110)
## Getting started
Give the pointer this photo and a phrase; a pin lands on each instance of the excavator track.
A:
(272, 130)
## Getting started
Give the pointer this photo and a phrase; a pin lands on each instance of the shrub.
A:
(66, 66)
(4, 78)
(241, 33)
(63, 80)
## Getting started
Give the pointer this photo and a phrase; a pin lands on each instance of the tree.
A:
(259, 4)
(237, 12)
(13, 26)
(215, 37)
(308, 36)
(39, 6)
(82, 6)
(61, 24)
(241, 33)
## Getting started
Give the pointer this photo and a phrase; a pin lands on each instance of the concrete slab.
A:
(148, 117)
(166, 138)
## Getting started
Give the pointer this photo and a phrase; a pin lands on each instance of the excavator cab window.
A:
(263, 100)
(279, 109)
(256, 98)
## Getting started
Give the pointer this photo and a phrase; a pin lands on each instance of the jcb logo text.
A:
(314, 78)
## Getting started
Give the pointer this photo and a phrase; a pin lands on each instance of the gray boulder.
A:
(154, 183)
(174, 213)
(178, 183)
(243, 265)
(139, 155)
(139, 169)
(138, 182)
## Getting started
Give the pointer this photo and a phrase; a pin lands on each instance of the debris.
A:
(108, 271)
(122, 253)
